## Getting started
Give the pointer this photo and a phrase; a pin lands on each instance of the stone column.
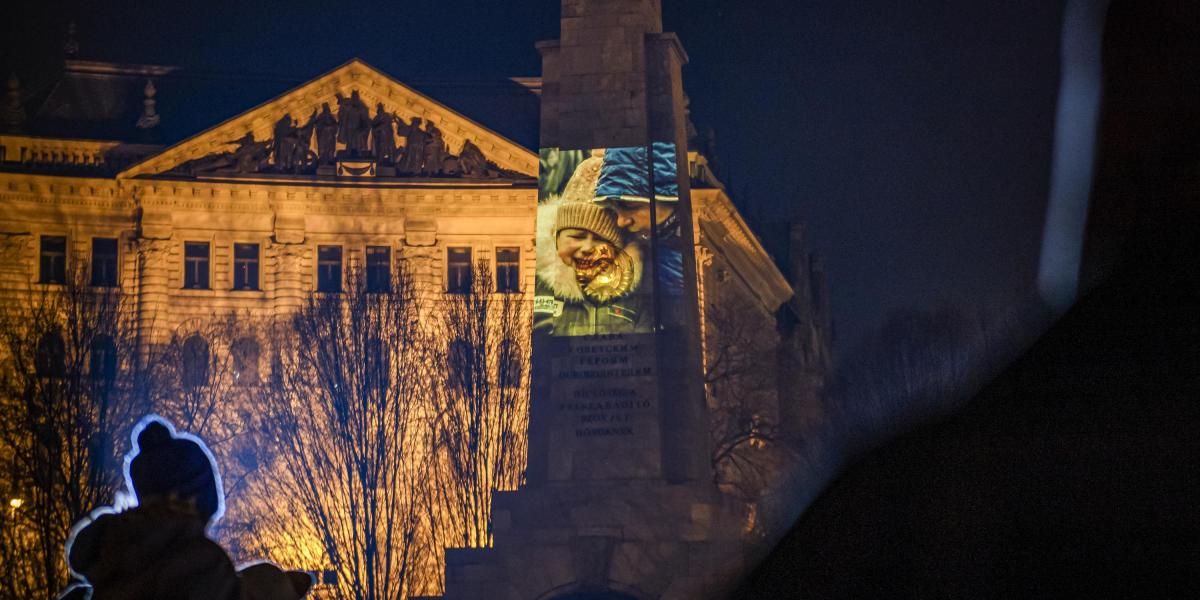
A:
(153, 293)
(289, 283)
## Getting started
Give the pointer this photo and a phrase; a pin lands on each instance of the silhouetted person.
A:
(158, 549)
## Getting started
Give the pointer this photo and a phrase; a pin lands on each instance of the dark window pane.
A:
(194, 362)
(379, 271)
(104, 262)
(465, 374)
(458, 270)
(51, 360)
(53, 259)
(245, 266)
(103, 359)
(508, 270)
(329, 268)
(195, 265)
(509, 368)
(245, 353)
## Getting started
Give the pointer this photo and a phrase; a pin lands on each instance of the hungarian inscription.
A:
(606, 385)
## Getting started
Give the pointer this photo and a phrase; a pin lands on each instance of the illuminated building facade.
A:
(129, 171)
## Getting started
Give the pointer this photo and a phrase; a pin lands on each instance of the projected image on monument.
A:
(600, 264)
(595, 245)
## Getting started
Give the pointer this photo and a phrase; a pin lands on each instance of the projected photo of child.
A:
(594, 239)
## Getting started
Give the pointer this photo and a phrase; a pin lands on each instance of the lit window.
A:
(329, 269)
(379, 272)
(195, 265)
(194, 362)
(104, 262)
(245, 267)
(54, 259)
(508, 270)
(458, 270)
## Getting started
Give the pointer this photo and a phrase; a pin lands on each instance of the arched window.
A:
(103, 363)
(461, 364)
(508, 364)
(245, 352)
(377, 358)
(194, 362)
(51, 360)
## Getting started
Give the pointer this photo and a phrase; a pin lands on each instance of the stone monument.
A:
(619, 500)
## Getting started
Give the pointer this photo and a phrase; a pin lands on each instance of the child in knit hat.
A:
(587, 275)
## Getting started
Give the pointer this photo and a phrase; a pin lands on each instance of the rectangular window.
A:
(329, 269)
(379, 269)
(458, 270)
(195, 265)
(53, 259)
(104, 262)
(245, 267)
(508, 270)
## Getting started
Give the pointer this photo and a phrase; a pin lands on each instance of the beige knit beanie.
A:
(577, 210)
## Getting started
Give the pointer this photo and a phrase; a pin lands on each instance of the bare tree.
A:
(345, 439)
(70, 381)
(748, 456)
(482, 410)
(204, 380)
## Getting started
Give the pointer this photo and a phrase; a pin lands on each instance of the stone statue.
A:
(383, 138)
(301, 154)
(435, 150)
(354, 124)
(414, 147)
(326, 127)
(250, 156)
(471, 161)
(285, 143)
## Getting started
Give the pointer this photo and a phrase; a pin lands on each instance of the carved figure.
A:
(383, 138)
(302, 156)
(414, 147)
(435, 150)
(326, 127)
(285, 142)
(471, 161)
(354, 124)
(250, 156)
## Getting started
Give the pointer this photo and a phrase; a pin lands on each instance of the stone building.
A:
(201, 196)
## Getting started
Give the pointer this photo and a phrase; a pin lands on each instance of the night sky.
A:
(913, 138)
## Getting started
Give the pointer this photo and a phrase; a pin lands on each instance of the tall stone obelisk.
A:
(612, 86)
(619, 501)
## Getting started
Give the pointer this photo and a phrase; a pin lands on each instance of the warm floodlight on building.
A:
(16, 503)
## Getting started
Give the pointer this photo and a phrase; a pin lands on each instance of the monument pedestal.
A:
(634, 539)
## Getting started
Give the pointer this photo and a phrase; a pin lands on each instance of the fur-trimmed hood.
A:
(559, 277)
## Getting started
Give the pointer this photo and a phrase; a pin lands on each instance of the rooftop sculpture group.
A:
(423, 153)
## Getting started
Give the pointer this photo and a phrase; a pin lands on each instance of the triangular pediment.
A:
(217, 147)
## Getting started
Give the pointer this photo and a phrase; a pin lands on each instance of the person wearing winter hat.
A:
(587, 276)
(159, 548)
(624, 186)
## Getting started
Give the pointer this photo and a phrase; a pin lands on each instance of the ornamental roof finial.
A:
(149, 117)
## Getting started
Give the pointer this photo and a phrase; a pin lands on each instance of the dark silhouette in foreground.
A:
(159, 548)
(1073, 473)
